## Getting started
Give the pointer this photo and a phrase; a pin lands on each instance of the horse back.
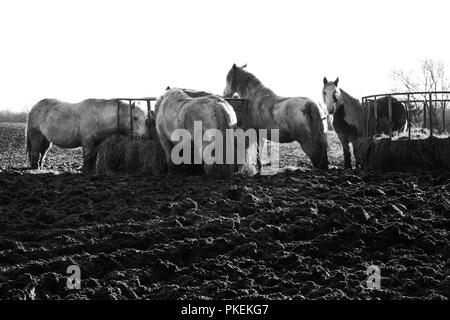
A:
(212, 111)
(281, 111)
(178, 111)
(44, 110)
(57, 121)
(69, 124)
(398, 113)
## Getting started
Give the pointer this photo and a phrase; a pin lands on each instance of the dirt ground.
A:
(300, 234)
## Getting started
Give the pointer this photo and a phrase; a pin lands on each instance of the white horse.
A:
(73, 125)
(348, 118)
(177, 110)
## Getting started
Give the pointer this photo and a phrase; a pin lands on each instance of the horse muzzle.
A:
(334, 105)
(332, 110)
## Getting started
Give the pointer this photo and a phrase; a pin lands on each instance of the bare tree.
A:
(431, 77)
(404, 80)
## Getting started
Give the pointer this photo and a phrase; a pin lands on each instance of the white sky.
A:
(72, 50)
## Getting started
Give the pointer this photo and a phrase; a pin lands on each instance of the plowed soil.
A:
(300, 234)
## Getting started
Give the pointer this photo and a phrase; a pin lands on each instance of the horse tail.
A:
(28, 139)
(224, 170)
(28, 145)
(403, 118)
(319, 138)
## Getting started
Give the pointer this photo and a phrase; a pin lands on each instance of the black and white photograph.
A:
(224, 156)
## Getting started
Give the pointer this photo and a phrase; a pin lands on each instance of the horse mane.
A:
(94, 100)
(243, 79)
(348, 98)
(103, 102)
(241, 76)
(176, 92)
(351, 112)
(195, 93)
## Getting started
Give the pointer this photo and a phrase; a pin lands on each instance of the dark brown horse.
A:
(348, 118)
(398, 116)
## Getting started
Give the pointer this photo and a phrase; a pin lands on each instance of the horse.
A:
(239, 105)
(398, 116)
(193, 93)
(326, 118)
(83, 124)
(296, 118)
(176, 110)
(348, 118)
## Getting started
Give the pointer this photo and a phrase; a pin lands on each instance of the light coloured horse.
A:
(349, 119)
(239, 105)
(73, 125)
(193, 93)
(178, 110)
(327, 119)
(296, 118)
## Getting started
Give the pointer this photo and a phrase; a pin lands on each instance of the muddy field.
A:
(301, 234)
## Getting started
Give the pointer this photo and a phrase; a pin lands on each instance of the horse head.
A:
(140, 128)
(231, 87)
(331, 94)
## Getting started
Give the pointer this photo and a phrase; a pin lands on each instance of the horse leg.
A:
(306, 144)
(346, 148)
(88, 156)
(218, 168)
(34, 159)
(167, 147)
(258, 153)
(251, 159)
(45, 146)
(35, 140)
(358, 152)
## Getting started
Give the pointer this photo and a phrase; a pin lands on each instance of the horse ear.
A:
(336, 81)
(168, 88)
(325, 80)
(244, 66)
(234, 66)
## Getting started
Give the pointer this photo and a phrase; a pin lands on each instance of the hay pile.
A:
(420, 153)
(117, 154)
